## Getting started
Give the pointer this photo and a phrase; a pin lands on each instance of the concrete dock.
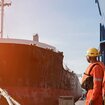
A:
(80, 102)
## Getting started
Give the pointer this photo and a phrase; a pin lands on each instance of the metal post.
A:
(2, 17)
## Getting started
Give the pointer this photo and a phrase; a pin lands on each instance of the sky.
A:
(72, 26)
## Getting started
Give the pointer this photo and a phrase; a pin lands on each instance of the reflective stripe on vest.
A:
(97, 79)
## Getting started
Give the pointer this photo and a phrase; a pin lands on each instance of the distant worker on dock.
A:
(93, 78)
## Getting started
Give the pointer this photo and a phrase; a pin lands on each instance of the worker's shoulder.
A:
(98, 64)
(99, 69)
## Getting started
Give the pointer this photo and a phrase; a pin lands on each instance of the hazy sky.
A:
(72, 26)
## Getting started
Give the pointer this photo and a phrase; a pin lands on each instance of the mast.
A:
(2, 17)
(2, 4)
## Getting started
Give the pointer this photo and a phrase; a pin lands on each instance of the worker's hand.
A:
(91, 102)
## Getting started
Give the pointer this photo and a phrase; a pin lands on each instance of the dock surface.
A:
(80, 102)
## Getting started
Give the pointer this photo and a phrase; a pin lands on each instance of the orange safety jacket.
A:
(104, 84)
(97, 72)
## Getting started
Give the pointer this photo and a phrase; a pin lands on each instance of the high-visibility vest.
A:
(87, 82)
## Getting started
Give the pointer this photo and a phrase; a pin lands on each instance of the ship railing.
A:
(9, 99)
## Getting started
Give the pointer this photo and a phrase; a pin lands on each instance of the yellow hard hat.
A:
(92, 52)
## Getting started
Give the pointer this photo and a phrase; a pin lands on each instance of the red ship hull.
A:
(35, 76)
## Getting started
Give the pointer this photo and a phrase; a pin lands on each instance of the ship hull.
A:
(35, 76)
(38, 96)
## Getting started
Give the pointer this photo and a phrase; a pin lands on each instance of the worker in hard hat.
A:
(96, 71)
